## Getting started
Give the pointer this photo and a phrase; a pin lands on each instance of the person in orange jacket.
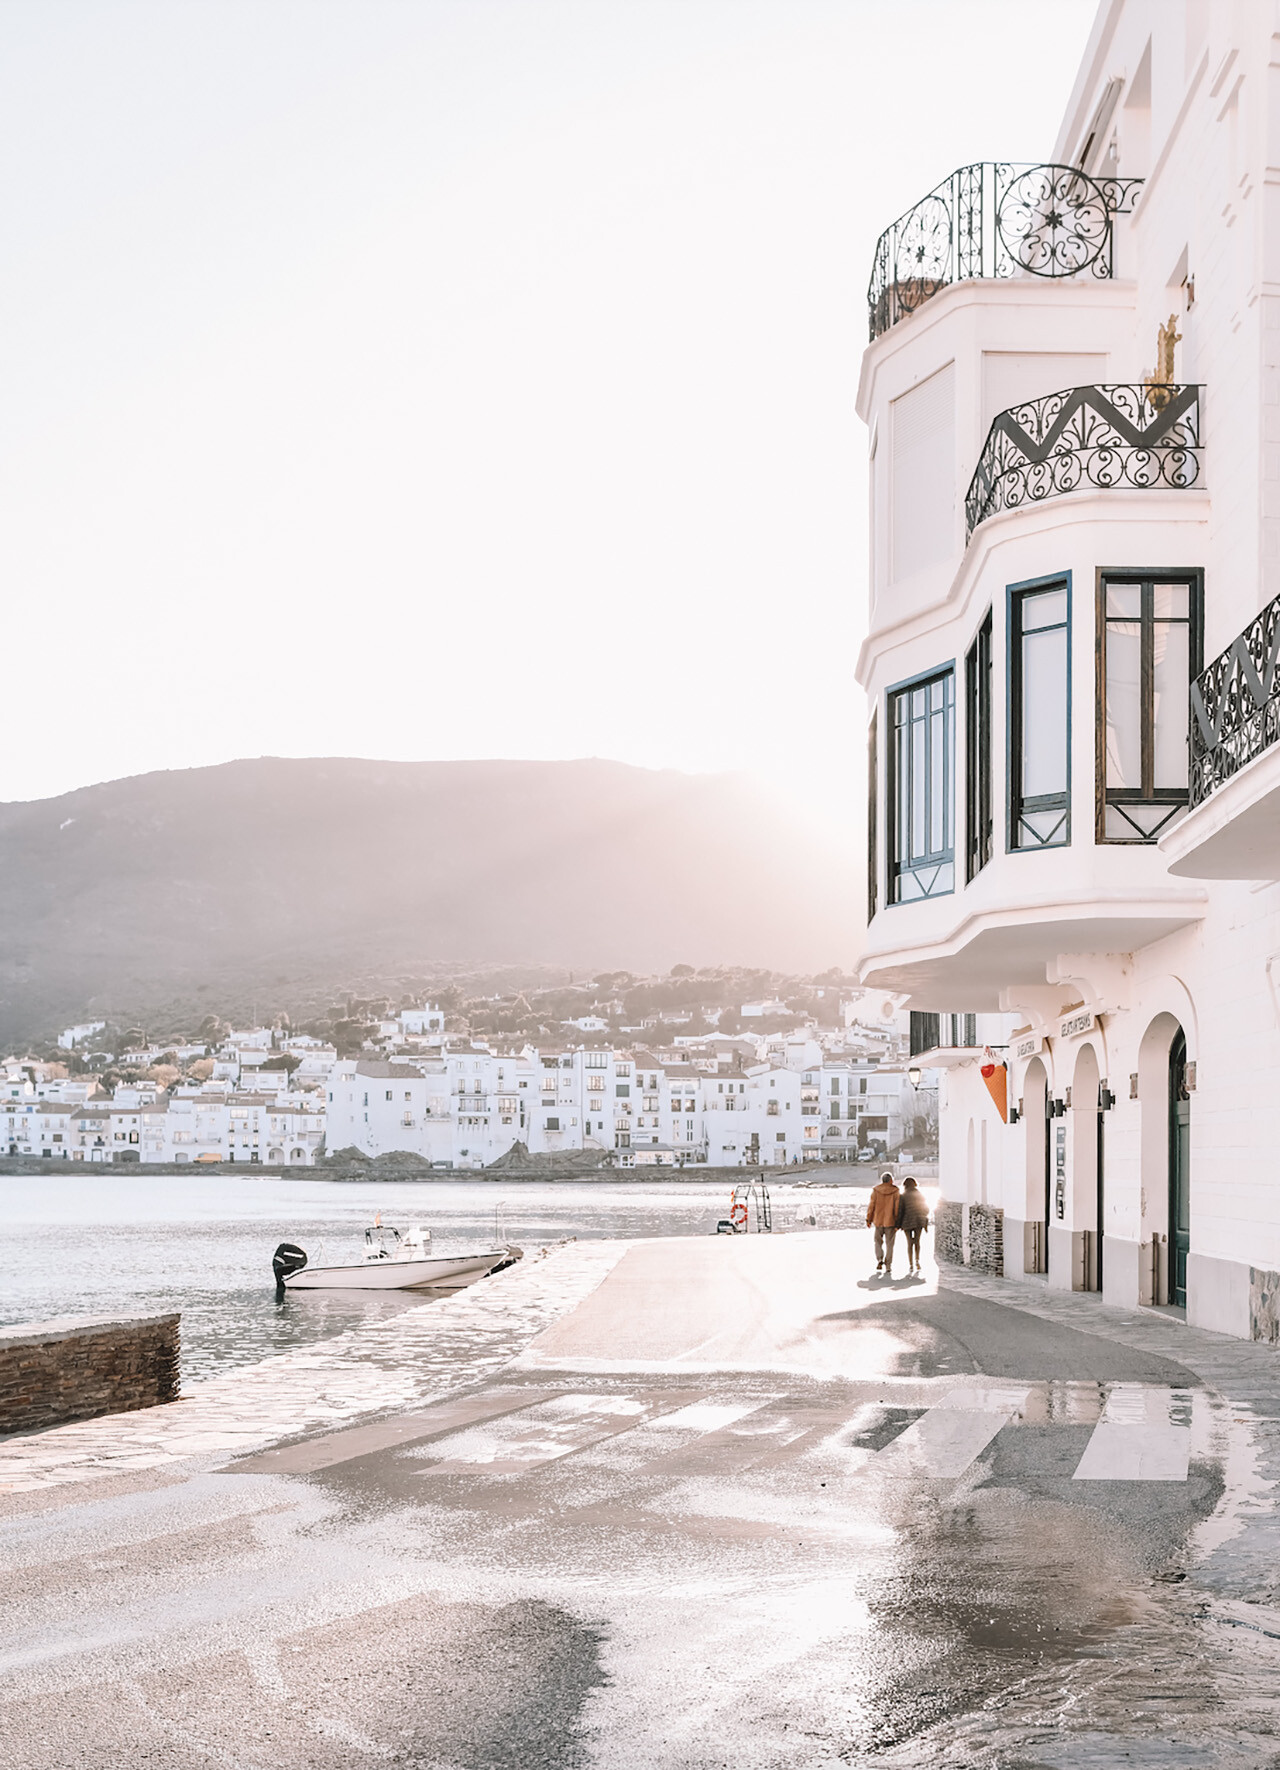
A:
(882, 1216)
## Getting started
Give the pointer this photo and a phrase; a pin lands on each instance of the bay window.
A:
(1149, 642)
(1039, 722)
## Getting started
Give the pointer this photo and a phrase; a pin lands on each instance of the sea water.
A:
(100, 1242)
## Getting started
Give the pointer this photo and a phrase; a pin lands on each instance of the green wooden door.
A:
(1179, 1171)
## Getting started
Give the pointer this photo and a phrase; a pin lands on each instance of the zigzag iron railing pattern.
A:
(1117, 435)
(996, 219)
(1235, 705)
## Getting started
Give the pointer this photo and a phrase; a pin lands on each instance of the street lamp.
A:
(913, 1076)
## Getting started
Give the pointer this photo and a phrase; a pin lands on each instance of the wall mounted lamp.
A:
(1106, 1099)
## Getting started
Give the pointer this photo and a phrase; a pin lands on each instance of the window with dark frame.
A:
(920, 788)
(978, 819)
(873, 883)
(1039, 715)
(1149, 642)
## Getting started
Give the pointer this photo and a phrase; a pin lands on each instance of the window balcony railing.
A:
(1235, 705)
(1120, 435)
(995, 219)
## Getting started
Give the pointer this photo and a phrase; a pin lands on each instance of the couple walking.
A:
(889, 1211)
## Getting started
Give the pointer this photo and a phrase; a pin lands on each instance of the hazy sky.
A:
(449, 378)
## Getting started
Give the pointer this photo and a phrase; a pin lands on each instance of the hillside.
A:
(181, 887)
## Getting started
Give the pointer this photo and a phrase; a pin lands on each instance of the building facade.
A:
(1072, 389)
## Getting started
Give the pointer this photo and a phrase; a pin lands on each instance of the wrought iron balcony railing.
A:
(995, 219)
(1118, 435)
(1235, 705)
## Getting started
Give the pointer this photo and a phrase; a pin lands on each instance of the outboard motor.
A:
(287, 1259)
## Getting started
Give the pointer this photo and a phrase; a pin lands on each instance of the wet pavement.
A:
(709, 1503)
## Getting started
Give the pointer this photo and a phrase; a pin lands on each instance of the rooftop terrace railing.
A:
(996, 219)
(1235, 705)
(1120, 434)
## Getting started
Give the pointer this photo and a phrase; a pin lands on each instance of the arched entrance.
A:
(1179, 1170)
(1088, 1169)
(1165, 1161)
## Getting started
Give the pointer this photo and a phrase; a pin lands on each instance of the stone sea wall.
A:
(74, 1367)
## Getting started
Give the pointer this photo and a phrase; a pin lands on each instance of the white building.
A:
(1073, 399)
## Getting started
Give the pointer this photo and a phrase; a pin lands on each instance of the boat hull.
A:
(441, 1272)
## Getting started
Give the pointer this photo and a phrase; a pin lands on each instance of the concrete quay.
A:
(689, 1502)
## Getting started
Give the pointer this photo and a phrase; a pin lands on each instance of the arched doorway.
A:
(1179, 1170)
(1165, 1161)
(1088, 1171)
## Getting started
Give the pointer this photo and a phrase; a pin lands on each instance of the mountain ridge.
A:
(179, 884)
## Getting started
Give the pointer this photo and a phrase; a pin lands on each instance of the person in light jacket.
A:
(913, 1220)
(882, 1216)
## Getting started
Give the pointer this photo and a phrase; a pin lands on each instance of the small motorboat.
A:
(392, 1261)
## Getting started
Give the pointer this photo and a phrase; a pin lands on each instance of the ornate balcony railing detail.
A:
(1117, 435)
(996, 219)
(1235, 705)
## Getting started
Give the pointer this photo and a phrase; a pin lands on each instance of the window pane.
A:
(1124, 601)
(1124, 704)
(1044, 713)
(902, 772)
(1172, 601)
(1043, 608)
(918, 801)
(938, 774)
(1172, 675)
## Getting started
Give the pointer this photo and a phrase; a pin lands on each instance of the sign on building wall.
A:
(1029, 1046)
(1060, 1169)
(1080, 1020)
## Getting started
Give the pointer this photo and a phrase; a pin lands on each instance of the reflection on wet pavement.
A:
(911, 1537)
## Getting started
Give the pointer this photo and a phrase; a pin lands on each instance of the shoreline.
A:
(13, 1167)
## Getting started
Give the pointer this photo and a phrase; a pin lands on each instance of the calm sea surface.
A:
(95, 1244)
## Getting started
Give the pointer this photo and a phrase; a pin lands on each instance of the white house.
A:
(1072, 394)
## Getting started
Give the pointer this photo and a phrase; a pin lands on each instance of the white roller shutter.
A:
(923, 490)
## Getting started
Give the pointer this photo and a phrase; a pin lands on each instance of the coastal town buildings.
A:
(1072, 392)
(832, 1084)
(466, 1108)
(729, 1103)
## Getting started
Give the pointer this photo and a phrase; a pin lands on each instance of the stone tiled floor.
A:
(406, 1362)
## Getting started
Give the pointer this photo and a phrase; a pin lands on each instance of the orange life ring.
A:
(738, 1214)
